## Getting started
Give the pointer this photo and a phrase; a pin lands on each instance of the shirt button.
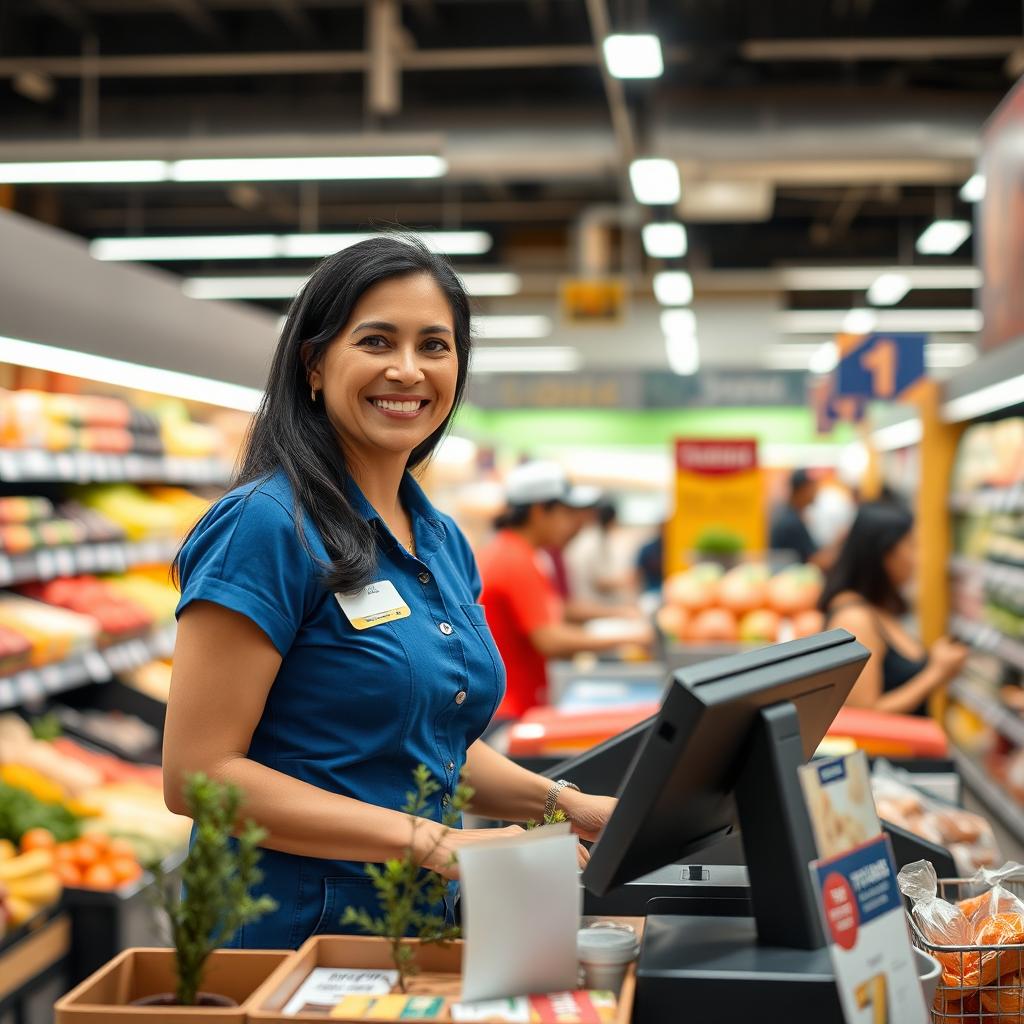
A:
(445, 800)
(424, 577)
(450, 766)
(460, 697)
(446, 629)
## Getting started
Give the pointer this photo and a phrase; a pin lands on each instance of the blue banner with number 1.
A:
(881, 366)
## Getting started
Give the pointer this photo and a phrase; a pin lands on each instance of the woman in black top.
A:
(864, 594)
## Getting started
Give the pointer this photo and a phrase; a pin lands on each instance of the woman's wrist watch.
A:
(553, 793)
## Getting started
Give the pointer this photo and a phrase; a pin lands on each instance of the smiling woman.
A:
(330, 633)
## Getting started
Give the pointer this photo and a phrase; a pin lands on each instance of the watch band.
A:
(556, 788)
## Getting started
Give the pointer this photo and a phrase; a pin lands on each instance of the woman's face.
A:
(388, 378)
(900, 561)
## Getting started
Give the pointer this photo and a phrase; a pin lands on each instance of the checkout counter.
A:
(733, 927)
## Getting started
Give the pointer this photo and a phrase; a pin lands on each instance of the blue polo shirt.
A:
(351, 711)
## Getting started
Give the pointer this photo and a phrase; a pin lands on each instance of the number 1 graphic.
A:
(880, 362)
(874, 993)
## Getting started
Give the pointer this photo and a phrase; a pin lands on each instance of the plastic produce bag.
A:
(967, 836)
(994, 898)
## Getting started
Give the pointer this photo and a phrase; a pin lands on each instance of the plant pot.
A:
(107, 995)
(440, 975)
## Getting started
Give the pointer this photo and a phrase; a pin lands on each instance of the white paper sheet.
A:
(521, 911)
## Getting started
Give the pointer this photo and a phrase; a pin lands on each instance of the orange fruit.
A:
(120, 848)
(86, 853)
(98, 839)
(68, 873)
(125, 869)
(37, 839)
(65, 853)
(99, 876)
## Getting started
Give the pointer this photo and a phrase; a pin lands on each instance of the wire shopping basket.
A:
(978, 984)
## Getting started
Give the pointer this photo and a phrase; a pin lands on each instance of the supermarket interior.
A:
(433, 415)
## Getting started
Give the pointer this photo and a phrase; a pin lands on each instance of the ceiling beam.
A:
(600, 27)
(929, 48)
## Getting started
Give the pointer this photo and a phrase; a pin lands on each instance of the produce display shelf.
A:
(994, 573)
(31, 953)
(73, 560)
(990, 500)
(996, 799)
(18, 465)
(989, 639)
(95, 666)
(990, 709)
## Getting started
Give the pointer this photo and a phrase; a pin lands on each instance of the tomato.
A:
(37, 839)
(69, 873)
(99, 876)
(125, 869)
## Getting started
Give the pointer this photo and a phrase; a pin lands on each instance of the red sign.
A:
(840, 911)
(716, 457)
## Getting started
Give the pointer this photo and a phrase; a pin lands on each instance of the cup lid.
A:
(606, 945)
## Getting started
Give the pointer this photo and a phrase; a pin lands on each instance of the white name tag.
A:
(373, 605)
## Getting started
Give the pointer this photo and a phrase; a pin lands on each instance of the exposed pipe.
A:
(600, 28)
(936, 48)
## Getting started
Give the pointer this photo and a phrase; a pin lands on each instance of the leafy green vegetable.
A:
(20, 811)
(46, 727)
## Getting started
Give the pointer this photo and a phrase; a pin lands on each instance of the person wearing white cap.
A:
(526, 614)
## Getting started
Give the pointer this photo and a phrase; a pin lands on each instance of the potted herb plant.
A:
(164, 985)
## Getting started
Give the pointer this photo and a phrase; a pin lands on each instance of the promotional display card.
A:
(839, 803)
(865, 924)
(325, 986)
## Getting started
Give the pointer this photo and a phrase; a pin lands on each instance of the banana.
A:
(26, 864)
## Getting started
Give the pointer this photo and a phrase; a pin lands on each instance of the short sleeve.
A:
(246, 555)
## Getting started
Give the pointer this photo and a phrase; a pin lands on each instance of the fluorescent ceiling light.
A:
(825, 358)
(634, 56)
(308, 168)
(973, 189)
(81, 171)
(933, 321)
(899, 435)
(683, 353)
(299, 168)
(526, 359)
(813, 279)
(943, 237)
(1001, 395)
(261, 247)
(859, 321)
(285, 286)
(949, 355)
(655, 181)
(673, 288)
(678, 323)
(493, 327)
(664, 240)
(888, 289)
(269, 287)
(128, 375)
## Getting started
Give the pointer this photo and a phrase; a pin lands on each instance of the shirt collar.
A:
(428, 528)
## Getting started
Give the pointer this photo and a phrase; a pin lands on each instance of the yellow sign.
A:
(593, 300)
(720, 500)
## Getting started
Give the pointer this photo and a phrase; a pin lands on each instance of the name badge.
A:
(373, 605)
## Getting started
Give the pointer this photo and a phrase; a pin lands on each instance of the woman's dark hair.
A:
(293, 433)
(877, 529)
(516, 515)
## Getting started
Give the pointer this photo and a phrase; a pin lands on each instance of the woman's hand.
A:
(438, 850)
(587, 814)
(948, 657)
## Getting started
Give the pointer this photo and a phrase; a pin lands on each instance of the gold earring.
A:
(312, 394)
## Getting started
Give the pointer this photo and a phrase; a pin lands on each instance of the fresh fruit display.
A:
(96, 861)
(150, 589)
(24, 510)
(18, 747)
(29, 881)
(116, 615)
(21, 812)
(141, 516)
(990, 455)
(705, 605)
(53, 633)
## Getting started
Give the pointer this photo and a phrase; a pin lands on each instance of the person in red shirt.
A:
(526, 615)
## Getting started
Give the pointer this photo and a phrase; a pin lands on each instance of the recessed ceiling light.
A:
(655, 181)
(673, 288)
(943, 237)
(636, 55)
(825, 359)
(683, 353)
(492, 327)
(888, 289)
(973, 189)
(664, 240)
(859, 321)
(678, 322)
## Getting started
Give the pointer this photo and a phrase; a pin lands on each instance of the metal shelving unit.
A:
(996, 799)
(73, 560)
(989, 639)
(94, 666)
(990, 709)
(27, 466)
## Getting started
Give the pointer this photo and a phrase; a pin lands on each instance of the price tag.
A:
(8, 695)
(65, 560)
(85, 558)
(39, 465)
(51, 677)
(30, 686)
(9, 468)
(46, 566)
(64, 466)
(6, 571)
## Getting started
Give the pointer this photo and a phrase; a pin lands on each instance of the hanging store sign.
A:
(879, 366)
(719, 500)
(593, 301)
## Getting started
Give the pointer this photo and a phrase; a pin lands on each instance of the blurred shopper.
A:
(650, 564)
(864, 593)
(528, 618)
(789, 530)
(600, 560)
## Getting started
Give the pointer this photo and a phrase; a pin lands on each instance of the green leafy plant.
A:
(408, 893)
(214, 899)
(556, 817)
(46, 727)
